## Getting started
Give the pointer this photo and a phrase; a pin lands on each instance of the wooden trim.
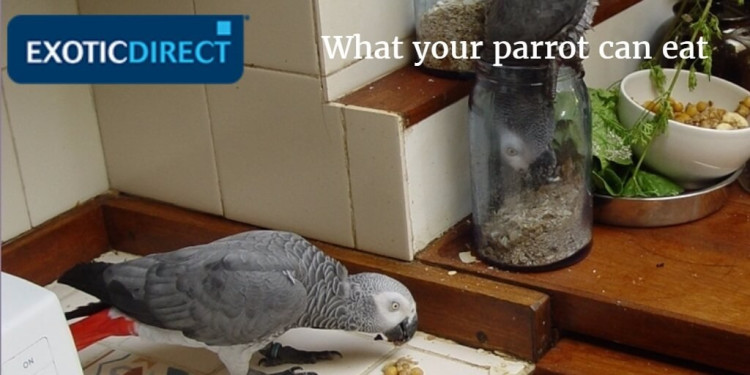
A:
(48, 250)
(574, 356)
(143, 227)
(410, 93)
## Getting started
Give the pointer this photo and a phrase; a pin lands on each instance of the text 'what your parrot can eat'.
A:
(353, 46)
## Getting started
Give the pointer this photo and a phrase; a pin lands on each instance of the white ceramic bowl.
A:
(693, 157)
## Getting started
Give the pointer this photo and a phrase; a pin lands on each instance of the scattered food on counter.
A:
(402, 366)
(467, 257)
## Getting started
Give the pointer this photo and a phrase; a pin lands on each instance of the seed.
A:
(676, 106)
(416, 371)
(691, 110)
(701, 106)
(682, 117)
(390, 370)
(746, 102)
(743, 110)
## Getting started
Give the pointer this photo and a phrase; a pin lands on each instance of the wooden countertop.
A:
(683, 290)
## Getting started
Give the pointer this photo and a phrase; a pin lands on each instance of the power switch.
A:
(34, 360)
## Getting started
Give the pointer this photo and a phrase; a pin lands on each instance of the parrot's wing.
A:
(220, 293)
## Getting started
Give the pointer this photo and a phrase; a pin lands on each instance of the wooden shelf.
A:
(573, 356)
(683, 291)
(409, 92)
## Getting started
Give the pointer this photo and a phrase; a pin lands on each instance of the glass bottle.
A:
(530, 137)
(450, 27)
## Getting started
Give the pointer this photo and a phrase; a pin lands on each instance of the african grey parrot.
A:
(237, 294)
(525, 117)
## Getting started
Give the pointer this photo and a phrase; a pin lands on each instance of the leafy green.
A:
(647, 184)
(614, 171)
(607, 133)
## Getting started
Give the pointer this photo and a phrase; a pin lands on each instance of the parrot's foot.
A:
(277, 354)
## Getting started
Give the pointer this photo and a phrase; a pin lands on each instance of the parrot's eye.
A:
(510, 151)
(395, 306)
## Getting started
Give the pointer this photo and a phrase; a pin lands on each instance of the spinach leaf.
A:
(646, 184)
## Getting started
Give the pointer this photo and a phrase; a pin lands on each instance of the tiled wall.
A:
(638, 23)
(270, 149)
(51, 148)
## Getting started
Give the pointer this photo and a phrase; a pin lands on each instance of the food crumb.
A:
(402, 366)
(452, 273)
(467, 257)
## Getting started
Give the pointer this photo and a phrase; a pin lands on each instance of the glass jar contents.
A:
(450, 27)
(530, 136)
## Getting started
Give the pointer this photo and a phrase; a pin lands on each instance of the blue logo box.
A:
(125, 49)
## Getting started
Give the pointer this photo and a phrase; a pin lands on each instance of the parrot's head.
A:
(518, 152)
(390, 307)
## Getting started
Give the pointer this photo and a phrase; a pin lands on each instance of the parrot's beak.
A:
(403, 332)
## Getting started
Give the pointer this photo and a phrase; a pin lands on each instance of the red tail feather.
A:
(100, 326)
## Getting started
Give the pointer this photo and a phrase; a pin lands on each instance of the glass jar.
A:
(447, 28)
(530, 137)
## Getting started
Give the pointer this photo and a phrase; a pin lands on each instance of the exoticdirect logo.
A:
(126, 49)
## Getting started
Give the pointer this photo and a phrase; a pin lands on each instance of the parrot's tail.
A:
(100, 326)
(86, 310)
(87, 277)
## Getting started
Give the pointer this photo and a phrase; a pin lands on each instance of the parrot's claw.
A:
(276, 354)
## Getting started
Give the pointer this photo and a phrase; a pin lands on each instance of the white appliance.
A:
(36, 337)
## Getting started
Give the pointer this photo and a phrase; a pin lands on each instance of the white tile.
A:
(478, 357)
(359, 352)
(136, 7)
(359, 74)
(281, 155)
(58, 146)
(375, 21)
(437, 166)
(15, 216)
(12, 8)
(378, 182)
(280, 34)
(157, 143)
(649, 15)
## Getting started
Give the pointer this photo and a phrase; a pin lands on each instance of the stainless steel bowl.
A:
(663, 211)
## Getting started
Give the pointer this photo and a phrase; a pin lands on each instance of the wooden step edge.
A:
(410, 93)
(578, 355)
(43, 253)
